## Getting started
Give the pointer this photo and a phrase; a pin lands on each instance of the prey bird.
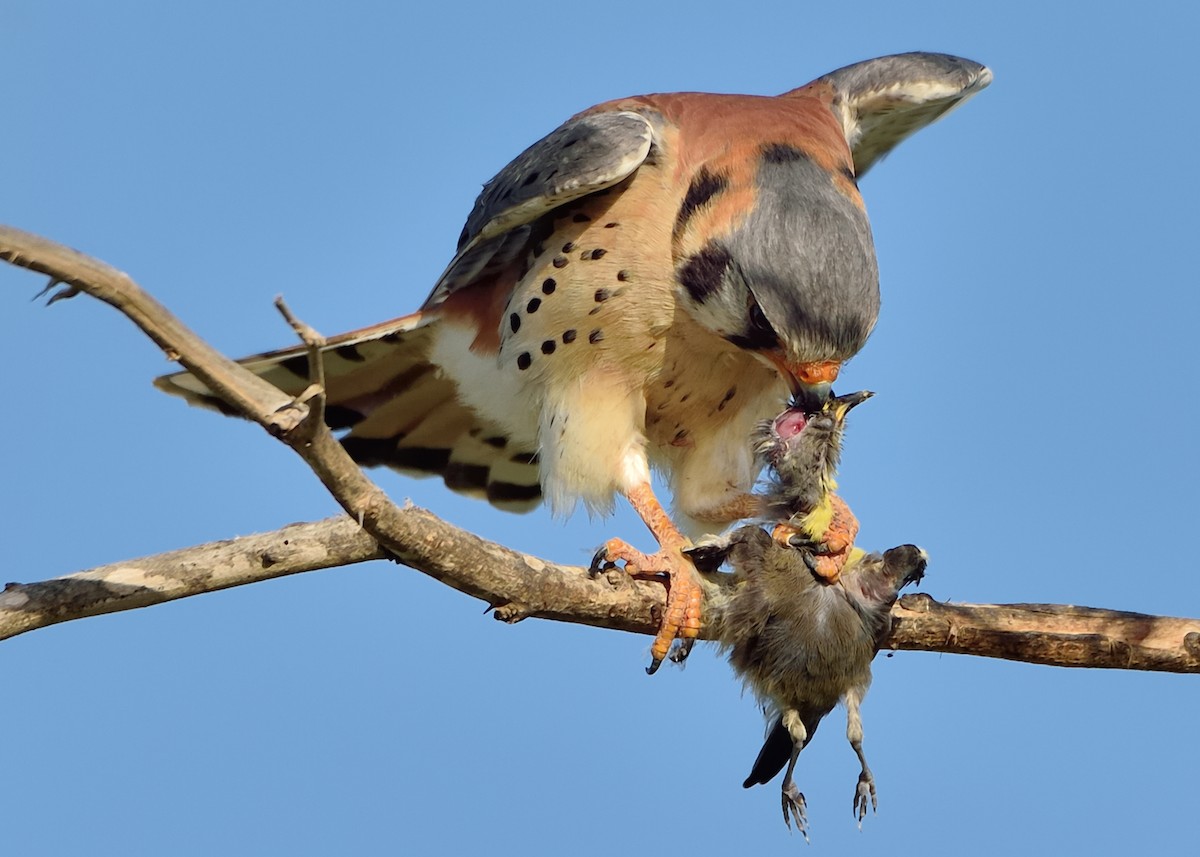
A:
(807, 610)
(802, 452)
(637, 288)
(803, 645)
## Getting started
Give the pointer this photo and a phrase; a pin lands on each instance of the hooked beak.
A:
(809, 383)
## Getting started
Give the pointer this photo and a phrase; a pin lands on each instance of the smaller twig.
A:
(315, 342)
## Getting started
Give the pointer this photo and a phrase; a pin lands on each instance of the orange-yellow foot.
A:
(829, 550)
(684, 593)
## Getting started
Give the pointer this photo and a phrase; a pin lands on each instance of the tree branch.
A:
(518, 585)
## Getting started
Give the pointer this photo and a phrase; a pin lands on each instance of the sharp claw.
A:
(599, 562)
(679, 654)
(654, 665)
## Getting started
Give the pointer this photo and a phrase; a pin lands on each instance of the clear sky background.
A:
(1034, 429)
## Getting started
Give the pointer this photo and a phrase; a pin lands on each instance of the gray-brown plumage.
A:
(803, 645)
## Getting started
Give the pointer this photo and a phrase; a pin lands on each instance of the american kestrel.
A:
(638, 288)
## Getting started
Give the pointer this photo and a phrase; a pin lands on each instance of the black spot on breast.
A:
(524, 458)
(498, 441)
(349, 352)
(623, 276)
(549, 285)
(568, 247)
(781, 153)
(559, 262)
(598, 253)
(729, 394)
(514, 321)
(700, 192)
(611, 225)
(533, 305)
(668, 384)
(602, 295)
(523, 360)
(703, 273)
(596, 336)
(568, 336)
(548, 346)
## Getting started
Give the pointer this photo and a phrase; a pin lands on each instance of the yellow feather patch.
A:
(817, 522)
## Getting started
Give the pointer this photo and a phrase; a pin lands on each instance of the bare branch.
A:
(178, 574)
(518, 585)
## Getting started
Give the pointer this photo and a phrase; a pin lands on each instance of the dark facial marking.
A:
(700, 192)
(701, 275)
(759, 335)
(781, 153)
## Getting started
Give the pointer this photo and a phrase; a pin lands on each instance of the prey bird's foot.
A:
(865, 792)
(825, 561)
(794, 809)
(681, 650)
(684, 593)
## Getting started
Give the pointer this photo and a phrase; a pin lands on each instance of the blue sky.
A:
(1033, 429)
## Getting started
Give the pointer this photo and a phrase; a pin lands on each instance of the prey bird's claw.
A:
(865, 792)
(794, 809)
(679, 654)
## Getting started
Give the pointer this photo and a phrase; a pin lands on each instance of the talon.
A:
(600, 563)
(654, 665)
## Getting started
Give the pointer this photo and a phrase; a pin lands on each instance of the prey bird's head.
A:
(802, 450)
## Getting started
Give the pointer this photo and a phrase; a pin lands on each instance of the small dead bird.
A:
(807, 610)
(803, 645)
